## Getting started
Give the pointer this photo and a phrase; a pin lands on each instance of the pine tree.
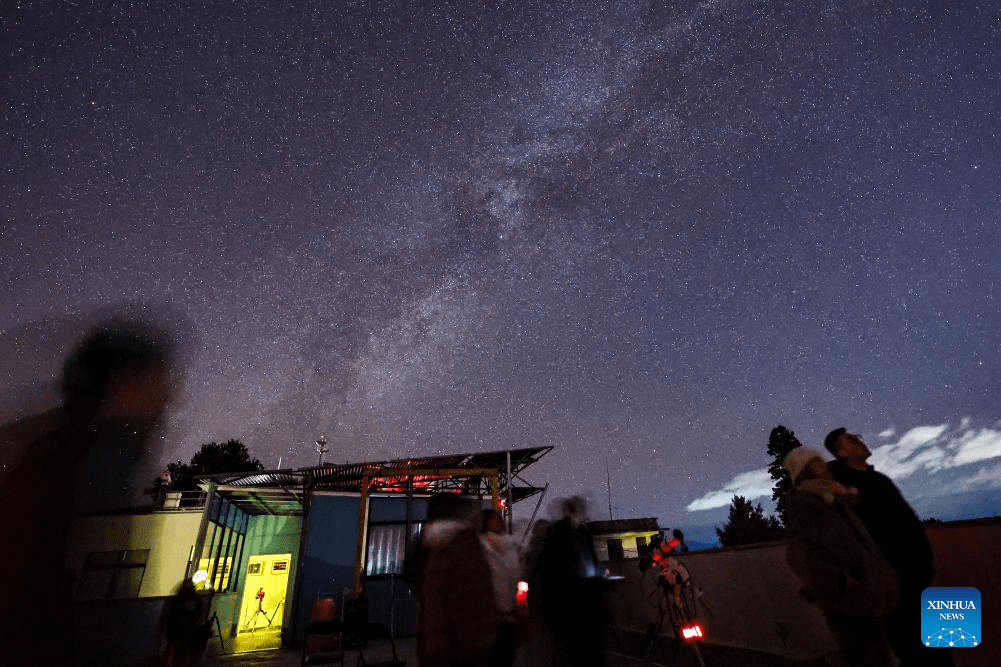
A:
(747, 524)
(780, 442)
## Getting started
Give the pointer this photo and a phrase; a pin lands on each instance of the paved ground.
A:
(379, 654)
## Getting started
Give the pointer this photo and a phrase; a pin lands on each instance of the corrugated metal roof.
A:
(281, 492)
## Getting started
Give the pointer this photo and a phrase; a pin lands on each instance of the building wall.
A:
(170, 537)
(128, 630)
(628, 538)
(328, 565)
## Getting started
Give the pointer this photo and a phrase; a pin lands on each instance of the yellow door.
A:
(264, 590)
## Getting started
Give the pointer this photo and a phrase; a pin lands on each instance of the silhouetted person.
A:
(505, 566)
(115, 387)
(458, 617)
(898, 532)
(185, 626)
(839, 561)
(571, 582)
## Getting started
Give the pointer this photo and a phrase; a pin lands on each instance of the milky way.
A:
(643, 235)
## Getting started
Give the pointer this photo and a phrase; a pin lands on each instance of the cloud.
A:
(937, 448)
(976, 446)
(750, 485)
(985, 478)
(931, 449)
(914, 451)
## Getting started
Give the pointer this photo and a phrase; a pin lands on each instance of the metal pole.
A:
(510, 505)
(608, 485)
(202, 530)
(362, 534)
(534, 512)
(307, 502)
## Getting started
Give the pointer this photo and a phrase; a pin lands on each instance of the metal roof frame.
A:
(283, 492)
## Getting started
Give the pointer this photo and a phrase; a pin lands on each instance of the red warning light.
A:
(691, 632)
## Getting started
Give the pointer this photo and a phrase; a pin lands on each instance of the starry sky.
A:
(643, 233)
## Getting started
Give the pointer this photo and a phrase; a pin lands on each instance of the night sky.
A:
(644, 233)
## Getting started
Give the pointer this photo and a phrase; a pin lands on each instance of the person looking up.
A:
(898, 532)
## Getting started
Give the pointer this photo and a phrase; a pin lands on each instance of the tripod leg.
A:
(218, 628)
(653, 633)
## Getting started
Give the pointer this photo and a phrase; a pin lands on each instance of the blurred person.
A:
(186, 628)
(571, 582)
(458, 615)
(898, 532)
(505, 566)
(116, 386)
(836, 557)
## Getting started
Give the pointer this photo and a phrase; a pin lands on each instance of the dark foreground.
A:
(628, 653)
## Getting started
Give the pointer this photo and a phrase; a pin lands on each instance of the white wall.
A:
(169, 536)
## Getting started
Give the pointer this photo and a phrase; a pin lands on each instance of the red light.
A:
(521, 596)
(691, 632)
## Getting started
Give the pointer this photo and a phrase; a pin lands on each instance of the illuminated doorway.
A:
(263, 604)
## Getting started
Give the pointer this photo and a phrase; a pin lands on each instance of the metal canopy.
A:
(281, 492)
(264, 500)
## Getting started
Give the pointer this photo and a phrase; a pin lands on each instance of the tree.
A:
(231, 456)
(747, 524)
(781, 441)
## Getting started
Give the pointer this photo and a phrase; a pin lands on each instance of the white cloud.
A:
(750, 485)
(985, 478)
(932, 449)
(937, 448)
(975, 446)
(911, 453)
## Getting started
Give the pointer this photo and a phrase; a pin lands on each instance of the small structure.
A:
(620, 539)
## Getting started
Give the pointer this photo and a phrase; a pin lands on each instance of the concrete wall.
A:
(169, 536)
(750, 598)
(968, 553)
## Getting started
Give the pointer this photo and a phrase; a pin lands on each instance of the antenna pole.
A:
(608, 485)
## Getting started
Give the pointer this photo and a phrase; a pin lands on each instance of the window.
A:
(224, 546)
(615, 551)
(387, 547)
(112, 575)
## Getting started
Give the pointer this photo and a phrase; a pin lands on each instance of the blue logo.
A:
(950, 617)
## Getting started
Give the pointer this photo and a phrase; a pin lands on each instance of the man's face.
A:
(852, 448)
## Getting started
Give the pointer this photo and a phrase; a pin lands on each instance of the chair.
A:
(322, 641)
(358, 632)
(328, 639)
